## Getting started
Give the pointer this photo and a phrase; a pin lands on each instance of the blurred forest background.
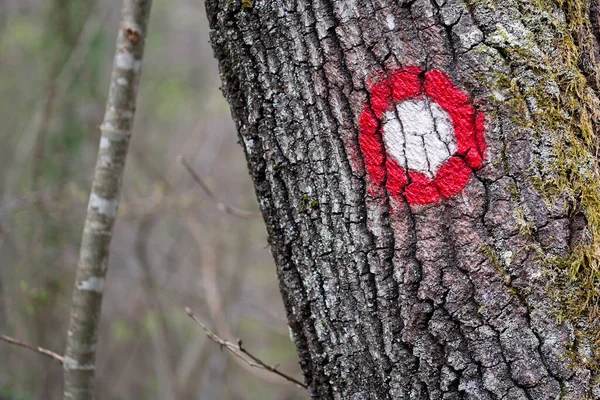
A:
(173, 246)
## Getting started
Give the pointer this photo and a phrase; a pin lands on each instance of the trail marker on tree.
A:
(420, 136)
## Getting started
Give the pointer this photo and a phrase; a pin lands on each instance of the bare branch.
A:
(214, 299)
(236, 212)
(239, 351)
(25, 345)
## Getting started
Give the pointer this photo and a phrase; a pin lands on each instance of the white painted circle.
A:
(419, 135)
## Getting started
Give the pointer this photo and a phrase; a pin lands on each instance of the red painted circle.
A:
(453, 175)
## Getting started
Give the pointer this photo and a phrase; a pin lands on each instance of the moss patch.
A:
(565, 109)
(246, 4)
(577, 278)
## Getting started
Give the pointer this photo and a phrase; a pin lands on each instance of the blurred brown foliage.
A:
(173, 245)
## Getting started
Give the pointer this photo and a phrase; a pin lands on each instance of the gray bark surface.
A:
(444, 301)
(79, 362)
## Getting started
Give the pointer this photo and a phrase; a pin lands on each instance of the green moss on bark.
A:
(564, 107)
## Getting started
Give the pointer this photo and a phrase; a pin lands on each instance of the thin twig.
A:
(239, 351)
(236, 212)
(214, 299)
(25, 345)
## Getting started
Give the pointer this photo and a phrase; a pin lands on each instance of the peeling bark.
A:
(388, 300)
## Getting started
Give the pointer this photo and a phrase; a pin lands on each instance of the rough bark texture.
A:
(387, 300)
(79, 360)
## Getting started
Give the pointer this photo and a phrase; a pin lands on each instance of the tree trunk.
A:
(463, 265)
(82, 338)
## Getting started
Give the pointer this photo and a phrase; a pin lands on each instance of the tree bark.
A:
(79, 360)
(489, 293)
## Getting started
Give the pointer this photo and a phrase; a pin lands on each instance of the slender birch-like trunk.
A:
(79, 360)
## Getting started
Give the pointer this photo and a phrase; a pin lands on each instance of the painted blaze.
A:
(420, 136)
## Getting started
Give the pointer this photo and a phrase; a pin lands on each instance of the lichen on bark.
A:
(562, 104)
